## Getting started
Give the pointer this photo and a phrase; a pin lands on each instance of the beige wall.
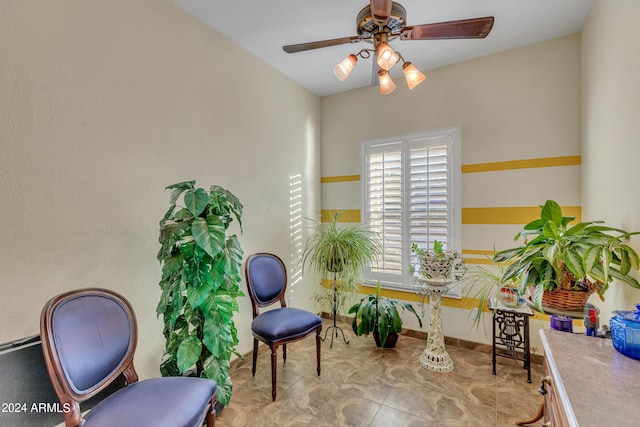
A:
(103, 104)
(611, 127)
(520, 104)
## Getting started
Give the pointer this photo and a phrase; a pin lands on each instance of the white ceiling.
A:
(262, 27)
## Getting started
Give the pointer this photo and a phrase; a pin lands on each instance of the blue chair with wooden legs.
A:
(88, 340)
(267, 282)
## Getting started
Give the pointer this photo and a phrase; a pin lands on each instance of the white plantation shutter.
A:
(385, 207)
(410, 195)
(429, 204)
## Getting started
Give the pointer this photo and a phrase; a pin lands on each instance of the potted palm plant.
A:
(200, 281)
(379, 316)
(559, 265)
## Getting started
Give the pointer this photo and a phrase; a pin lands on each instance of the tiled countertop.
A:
(600, 384)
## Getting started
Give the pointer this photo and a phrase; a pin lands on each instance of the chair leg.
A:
(211, 414)
(318, 340)
(274, 365)
(255, 357)
(284, 352)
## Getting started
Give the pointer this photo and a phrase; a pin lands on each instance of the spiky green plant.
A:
(343, 249)
(481, 284)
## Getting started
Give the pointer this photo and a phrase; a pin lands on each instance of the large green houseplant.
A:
(340, 252)
(378, 315)
(585, 257)
(200, 283)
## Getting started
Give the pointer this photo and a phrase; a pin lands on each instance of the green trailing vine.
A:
(201, 266)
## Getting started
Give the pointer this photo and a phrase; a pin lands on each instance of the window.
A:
(411, 194)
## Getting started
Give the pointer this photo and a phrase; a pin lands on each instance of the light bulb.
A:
(343, 69)
(386, 56)
(386, 83)
(412, 74)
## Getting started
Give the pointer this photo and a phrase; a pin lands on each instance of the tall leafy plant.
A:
(556, 255)
(201, 265)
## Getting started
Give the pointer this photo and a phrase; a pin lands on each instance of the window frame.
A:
(403, 281)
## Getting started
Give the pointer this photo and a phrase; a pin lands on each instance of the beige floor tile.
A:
(362, 385)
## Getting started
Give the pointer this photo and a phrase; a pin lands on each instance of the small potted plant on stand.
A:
(436, 272)
(437, 265)
(378, 315)
(340, 252)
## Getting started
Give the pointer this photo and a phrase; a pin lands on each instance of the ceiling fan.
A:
(384, 20)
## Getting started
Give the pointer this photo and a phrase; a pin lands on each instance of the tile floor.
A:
(362, 385)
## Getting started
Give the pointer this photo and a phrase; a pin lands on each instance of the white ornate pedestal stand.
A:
(435, 356)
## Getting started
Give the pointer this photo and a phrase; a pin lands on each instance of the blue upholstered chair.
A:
(88, 339)
(267, 282)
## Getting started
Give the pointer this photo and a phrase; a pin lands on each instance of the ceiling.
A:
(263, 27)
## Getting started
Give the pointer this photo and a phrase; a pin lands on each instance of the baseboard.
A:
(456, 342)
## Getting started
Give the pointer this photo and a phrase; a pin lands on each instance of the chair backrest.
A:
(88, 339)
(266, 280)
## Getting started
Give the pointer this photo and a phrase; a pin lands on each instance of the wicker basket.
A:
(560, 299)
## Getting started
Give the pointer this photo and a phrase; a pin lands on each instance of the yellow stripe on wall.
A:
(544, 162)
(342, 178)
(488, 255)
(477, 252)
(511, 215)
(344, 215)
(506, 215)
(478, 260)
(406, 295)
(466, 303)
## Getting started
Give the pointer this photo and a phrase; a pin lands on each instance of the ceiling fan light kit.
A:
(384, 20)
(343, 69)
(412, 74)
(386, 82)
(386, 57)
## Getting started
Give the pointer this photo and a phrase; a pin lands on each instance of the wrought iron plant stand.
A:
(335, 314)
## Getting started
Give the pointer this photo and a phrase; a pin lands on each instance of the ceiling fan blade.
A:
(476, 28)
(381, 11)
(300, 47)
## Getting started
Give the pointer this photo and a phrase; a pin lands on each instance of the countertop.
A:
(598, 386)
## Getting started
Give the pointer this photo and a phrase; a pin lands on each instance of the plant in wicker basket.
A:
(560, 266)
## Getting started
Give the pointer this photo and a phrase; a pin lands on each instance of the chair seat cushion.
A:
(158, 402)
(285, 322)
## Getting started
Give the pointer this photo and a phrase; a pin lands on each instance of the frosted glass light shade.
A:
(412, 74)
(386, 56)
(386, 83)
(343, 69)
